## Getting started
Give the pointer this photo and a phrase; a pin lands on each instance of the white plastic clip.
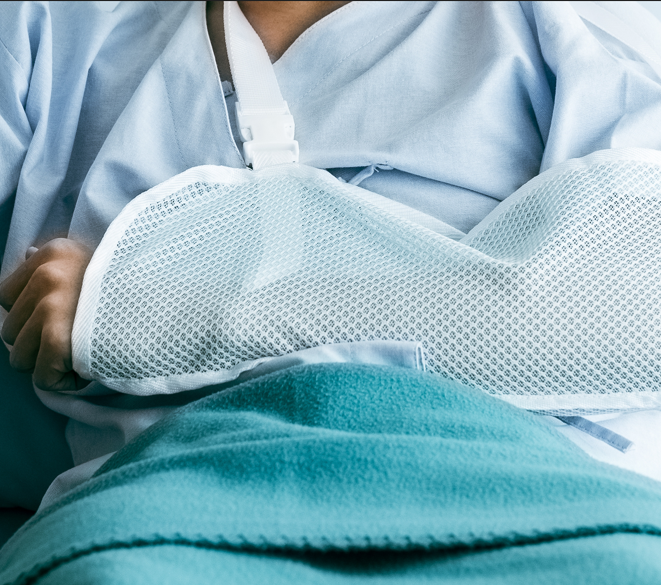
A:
(267, 134)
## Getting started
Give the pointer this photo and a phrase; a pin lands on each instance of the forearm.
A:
(238, 266)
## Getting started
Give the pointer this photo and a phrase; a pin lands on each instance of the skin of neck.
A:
(278, 25)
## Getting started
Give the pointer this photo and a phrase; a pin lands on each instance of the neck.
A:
(278, 25)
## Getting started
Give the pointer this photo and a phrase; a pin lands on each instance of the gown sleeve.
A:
(20, 34)
(604, 75)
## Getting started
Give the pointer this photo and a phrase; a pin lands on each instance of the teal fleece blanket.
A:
(344, 474)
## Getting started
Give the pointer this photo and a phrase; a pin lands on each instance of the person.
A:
(41, 296)
(463, 102)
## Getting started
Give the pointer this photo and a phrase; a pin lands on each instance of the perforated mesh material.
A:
(553, 302)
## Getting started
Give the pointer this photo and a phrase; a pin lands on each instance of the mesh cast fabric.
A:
(553, 302)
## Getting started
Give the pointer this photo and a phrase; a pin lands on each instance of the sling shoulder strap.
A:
(263, 117)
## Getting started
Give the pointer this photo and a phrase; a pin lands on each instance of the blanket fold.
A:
(341, 459)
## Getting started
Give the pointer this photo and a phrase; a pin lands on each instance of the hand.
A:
(41, 297)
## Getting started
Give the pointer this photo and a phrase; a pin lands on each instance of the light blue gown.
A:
(466, 101)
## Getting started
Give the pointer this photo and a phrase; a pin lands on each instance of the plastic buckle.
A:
(267, 131)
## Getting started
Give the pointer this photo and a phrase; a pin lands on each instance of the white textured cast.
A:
(553, 302)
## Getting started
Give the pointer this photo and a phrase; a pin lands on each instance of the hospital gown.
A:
(463, 101)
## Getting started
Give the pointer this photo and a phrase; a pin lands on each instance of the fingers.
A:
(23, 355)
(41, 297)
(44, 279)
(20, 312)
(48, 328)
(68, 255)
(53, 368)
(46, 351)
(68, 382)
(13, 285)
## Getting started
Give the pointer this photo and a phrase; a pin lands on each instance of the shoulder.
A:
(29, 30)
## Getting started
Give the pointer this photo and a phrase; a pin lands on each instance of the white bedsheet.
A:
(643, 428)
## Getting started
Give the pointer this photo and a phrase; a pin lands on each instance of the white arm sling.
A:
(553, 302)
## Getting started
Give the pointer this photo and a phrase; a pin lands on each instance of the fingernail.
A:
(31, 250)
